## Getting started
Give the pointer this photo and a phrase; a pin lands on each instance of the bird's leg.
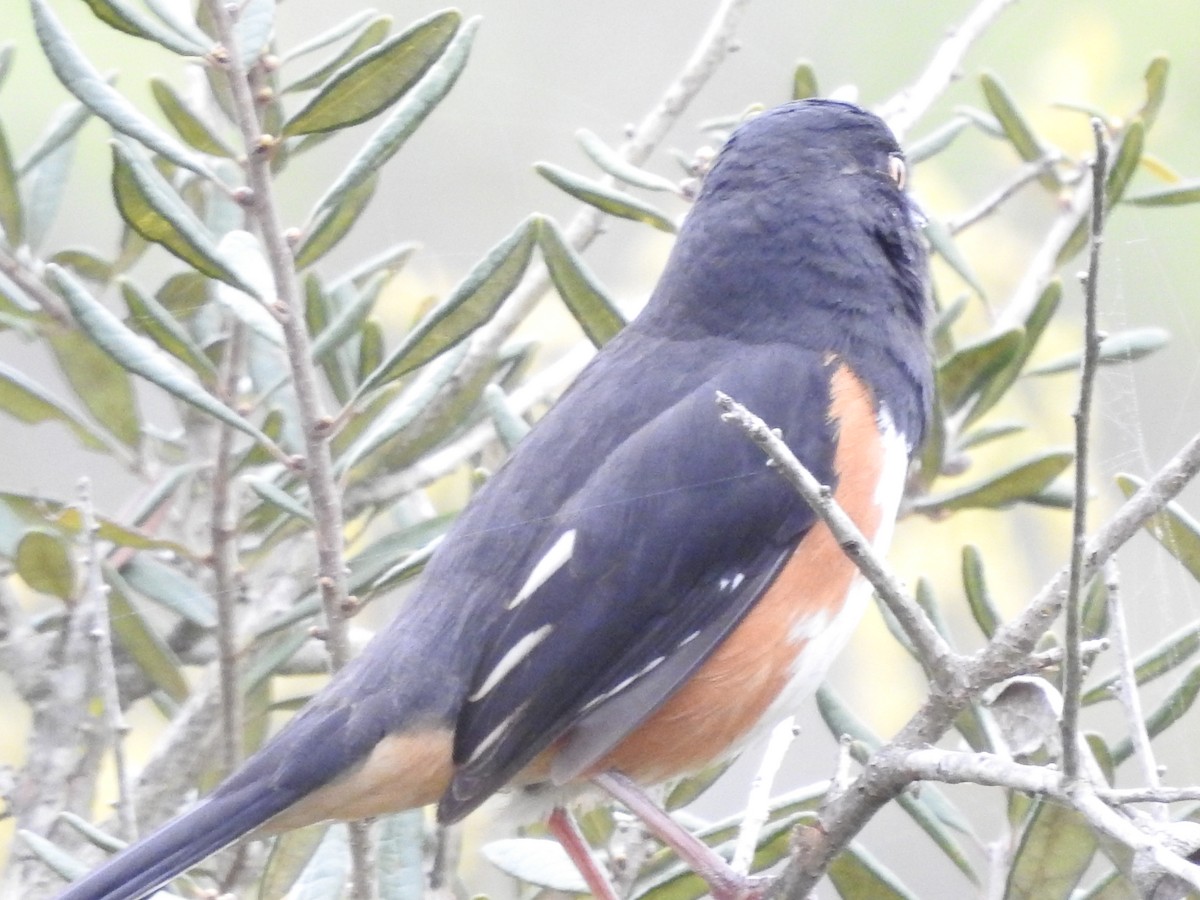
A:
(725, 883)
(566, 831)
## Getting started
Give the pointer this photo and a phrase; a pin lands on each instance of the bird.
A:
(635, 592)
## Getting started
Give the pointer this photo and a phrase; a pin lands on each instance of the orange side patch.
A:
(403, 771)
(733, 689)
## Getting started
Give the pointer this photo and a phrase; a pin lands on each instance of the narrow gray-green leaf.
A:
(253, 28)
(187, 122)
(82, 80)
(1177, 195)
(391, 261)
(858, 876)
(44, 562)
(1056, 848)
(62, 862)
(152, 318)
(409, 113)
(244, 255)
(1156, 88)
(578, 287)
(155, 211)
(99, 381)
(137, 355)
(96, 836)
(936, 141)
(1170, 711)
(985, 434)
(617, 166)
(64, 125)
(333, 35)
(6, 57)
(509, 424)
(370, 35)
(979, 599)
(399, 856)
(289, 855)
(46, 183)
(148, 651)
(11, 217)
(374, 81)
(606, 199)
(469, 305)
(804, 81)
(350, 317)
(537, 861)
(1122, 347)
(969, 371)
(1172, 527)
(1016, 128)
(280, 499)
(1164, 657)
(944, 245)
(370, 349)
(170, 588)
(179, 21)
(330, 224)
(1128, 157)
(1021, 482)
(27, 401)
(1035, 326)
(328, 871)
(131, 20)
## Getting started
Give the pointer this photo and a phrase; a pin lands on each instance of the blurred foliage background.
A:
(541, 69)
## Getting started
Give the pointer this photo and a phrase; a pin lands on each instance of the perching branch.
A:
(1072, 665)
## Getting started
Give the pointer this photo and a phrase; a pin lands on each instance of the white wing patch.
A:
(509, 661)
(553, 560)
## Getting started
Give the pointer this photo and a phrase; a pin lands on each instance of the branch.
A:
(940, 662)
(904, 108)
(1072, 666)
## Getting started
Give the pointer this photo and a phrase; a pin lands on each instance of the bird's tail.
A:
(216, 822)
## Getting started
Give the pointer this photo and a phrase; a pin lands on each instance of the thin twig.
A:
(288, 308)
(1024, 175)
(1126, 687)
(225, 558)
(96, 593)
(904, 108)
(934, 653)
(1072, 665)
(759, 799)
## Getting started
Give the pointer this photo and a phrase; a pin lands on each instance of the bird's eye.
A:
(898, 170)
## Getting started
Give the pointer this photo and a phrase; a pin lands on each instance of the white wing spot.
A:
(553, 560)
(496, 733)
(509, 660)
(612, 692)
(732, 584)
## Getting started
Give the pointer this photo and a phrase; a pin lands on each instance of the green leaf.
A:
(409, 113)
(328, 225)
(63, 126)
(349, 319)
(1093, 620)
(187, 122)
(289, 855)
(129, 19)
(936, 141)
(944, 245)
(358, 21)
(538, 861)
(60, 861)
(577, 286)
(370, 349)
(375, 29)
(1122, 347)
(857, 876)
(972, 368)
(243, 253)
(252, 29)
(1128, 156)
(1156, 89)
(1016, 128)
(155, 211)
(82, 80)
(152, 319)
(399, 856)
(1164, 657)
(1035, 326)
(469, 305)
(617, 166)
(510, 425)
(1021, 482)
(27, 401)
(149, 652)
(375, 80)
(1176, 195)
(979, 599)
(44, 563)
(7, 52)
(804, 81)
(170, 588)
(1172, 527)
(391, 261)
(328, 871)
(99, 381)
(1056, 848)
(1170, 711)
(281, 499)
(45, 186)
(11, 218)
(135, 355)
(985, 434)
(605, 198)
